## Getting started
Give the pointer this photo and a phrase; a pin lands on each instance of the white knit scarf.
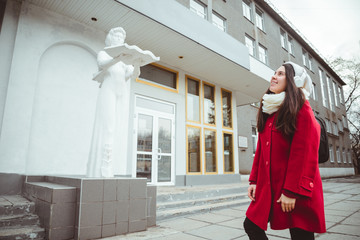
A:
(272, 102)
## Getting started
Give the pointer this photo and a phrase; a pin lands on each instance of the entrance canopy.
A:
(181, 39)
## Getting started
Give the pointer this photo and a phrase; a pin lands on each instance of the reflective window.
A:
(250, 43)
(259, 19)
(193, 100)
(228, 152)
(247, 11)
(219, 21)
(159, 75)
(209, 104)
(193, 150)
(226, 108)
(210, 150)
(199, 8)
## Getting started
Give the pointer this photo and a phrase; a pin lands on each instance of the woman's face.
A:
(278, 81)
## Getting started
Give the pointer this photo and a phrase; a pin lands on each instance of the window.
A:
(338, 157)
(313, 94)
(159, 76)
(210, 151)
(247, 11)
(290, 45)
(349, 156)
(345, 122)
(254, 136)
(193, 149)
(341, 126)
(283, 39)
(250, 43)
(328, 125)
(228, 152)
(263, 54)
(192, 100)
(336, 94)
(342, 99)
(199, 8)
(305, 58)
(310, 63)
(226, 108)
(219, 21)
(259, 19)
(331, 153)
(209, 103)
(331, 93)
(323, 89)
(344, 155)
(335, 128)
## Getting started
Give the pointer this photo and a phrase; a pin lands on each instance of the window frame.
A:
(158, 85)
(247, 37)
(259, 17)
(222, 110)
(338, 157)
(194, 10)
(203, 102)
(233, 155)
(266, 54)
(217, 15)
(247, 10)
(324, 94)
(283, 39)
(187, 151)
(186, 101)
(344, 155)
(331, 153)
(216, 158)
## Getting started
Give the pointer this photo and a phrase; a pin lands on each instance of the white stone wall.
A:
(51, 99)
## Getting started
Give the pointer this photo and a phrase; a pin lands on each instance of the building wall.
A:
(50, 96)
(238, 27)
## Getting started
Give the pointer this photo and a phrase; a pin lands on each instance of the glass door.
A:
(155, 142)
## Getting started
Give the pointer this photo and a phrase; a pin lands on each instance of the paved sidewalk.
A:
(342, 214)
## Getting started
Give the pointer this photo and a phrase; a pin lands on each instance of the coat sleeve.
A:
(255, 166)
(303, 159)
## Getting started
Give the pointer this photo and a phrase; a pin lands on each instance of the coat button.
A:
(267, 143)
(267, 163)
(311, 185)
(270, 124)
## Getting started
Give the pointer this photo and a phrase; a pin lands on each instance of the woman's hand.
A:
(287, 204)
(251, 192)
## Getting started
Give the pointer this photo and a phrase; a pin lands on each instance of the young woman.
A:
(285, 184)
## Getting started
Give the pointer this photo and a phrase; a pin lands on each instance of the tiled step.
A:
(18, 220)
(14, 205)
(201, 201)
(22, 233)
(185, 211)
(181, 201)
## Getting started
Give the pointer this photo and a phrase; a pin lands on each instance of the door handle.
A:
(159, 154)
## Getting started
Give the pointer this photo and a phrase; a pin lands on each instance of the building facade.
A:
(189, 116)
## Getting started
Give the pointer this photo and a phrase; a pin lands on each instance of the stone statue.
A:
(119, 64)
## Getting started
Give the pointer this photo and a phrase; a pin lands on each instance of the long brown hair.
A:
(286, 115)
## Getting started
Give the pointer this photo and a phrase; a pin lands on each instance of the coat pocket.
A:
(307, 183)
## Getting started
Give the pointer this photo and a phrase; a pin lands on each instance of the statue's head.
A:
(116, 36)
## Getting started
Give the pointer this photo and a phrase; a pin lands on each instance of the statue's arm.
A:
(105, 61)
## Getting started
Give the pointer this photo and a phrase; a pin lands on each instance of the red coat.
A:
(280, 165)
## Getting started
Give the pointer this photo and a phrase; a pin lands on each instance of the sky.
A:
(331, 26)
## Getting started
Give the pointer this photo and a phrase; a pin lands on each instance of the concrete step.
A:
(15, 205)
(166, 194)
(19, 220)
(201, 201)
(186, 211)
(174, 202)
(22, 233)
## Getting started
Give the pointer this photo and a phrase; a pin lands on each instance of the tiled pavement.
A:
(342, 210)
